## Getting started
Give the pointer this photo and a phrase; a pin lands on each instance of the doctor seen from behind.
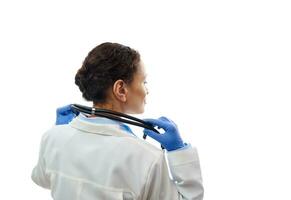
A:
(90, 157)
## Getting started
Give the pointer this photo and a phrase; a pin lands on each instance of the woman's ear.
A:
(120, 90)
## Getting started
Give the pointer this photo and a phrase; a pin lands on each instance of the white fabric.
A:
(86, 161)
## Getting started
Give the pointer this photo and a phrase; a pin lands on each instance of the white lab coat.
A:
(87, 161)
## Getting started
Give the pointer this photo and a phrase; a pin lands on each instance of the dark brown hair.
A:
(105, 64)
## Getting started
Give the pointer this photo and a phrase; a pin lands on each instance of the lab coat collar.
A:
(102, 129)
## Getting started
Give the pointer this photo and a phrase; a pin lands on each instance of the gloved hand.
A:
(65, 114)
(171, 139)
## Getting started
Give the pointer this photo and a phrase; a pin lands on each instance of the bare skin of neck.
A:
(108, 106)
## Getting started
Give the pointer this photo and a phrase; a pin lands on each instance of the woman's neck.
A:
(108, 106)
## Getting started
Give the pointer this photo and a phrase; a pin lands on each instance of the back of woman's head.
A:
(105, 64)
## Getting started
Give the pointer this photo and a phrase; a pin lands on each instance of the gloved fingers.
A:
(157, 122)
(64, 109)
(64, 119)
(152, 134)
(168, 120)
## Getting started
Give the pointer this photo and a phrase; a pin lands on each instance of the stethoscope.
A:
(113, 115)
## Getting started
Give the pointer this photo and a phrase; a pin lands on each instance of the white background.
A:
(219, 69)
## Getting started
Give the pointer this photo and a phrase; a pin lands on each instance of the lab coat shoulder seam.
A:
(146, 146)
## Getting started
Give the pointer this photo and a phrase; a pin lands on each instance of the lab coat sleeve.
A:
(39, 175)
(187, 181)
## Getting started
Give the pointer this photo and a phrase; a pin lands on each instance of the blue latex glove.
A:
(171, 139)
(64, 115)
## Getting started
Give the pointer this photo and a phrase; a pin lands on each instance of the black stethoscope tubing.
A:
(113, 115)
